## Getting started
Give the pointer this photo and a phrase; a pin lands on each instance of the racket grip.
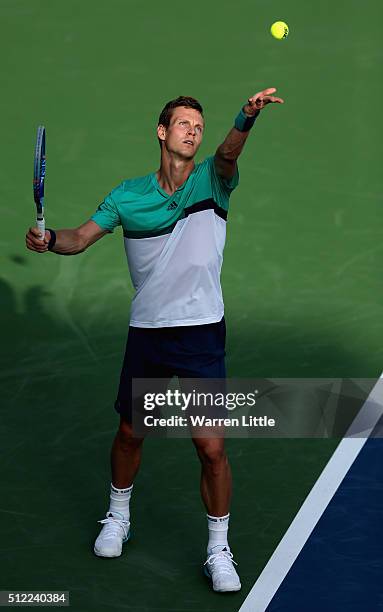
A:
(41, 227)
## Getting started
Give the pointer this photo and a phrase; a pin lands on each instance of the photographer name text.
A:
(203, 421)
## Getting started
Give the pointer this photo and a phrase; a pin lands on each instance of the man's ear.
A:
(161, 132)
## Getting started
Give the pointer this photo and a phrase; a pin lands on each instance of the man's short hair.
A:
(167, 111)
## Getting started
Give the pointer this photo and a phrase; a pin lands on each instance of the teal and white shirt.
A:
(174, 245)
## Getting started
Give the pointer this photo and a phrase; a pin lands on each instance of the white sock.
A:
(119, 501)
(218, 527)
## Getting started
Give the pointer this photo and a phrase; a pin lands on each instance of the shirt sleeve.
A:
(107, 215)
(221, 186)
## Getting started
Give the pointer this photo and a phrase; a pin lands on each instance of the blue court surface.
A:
(331, 556)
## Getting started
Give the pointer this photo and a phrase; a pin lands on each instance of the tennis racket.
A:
(39, 177)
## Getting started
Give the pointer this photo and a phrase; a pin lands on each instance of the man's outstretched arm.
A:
(228, 152)
(68, 241)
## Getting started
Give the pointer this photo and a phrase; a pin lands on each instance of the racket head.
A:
(39, 169)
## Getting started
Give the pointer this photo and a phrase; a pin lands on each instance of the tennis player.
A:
(174, 226)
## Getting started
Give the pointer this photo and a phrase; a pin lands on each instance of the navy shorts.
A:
(190, 351)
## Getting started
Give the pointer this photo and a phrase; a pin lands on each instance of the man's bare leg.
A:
(125, 461)
(216, 488)
(125, 456)
(216, 482)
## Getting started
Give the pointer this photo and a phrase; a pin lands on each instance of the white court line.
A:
(315, 503)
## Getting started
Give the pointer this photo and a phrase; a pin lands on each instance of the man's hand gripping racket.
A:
(37, 238)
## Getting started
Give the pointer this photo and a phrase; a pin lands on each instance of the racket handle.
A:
(41, 226)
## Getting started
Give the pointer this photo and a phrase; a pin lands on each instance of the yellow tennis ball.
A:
(279, 30)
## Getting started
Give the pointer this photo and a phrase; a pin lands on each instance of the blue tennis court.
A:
(331, 555)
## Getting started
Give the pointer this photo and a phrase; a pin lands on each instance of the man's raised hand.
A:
(260, 100)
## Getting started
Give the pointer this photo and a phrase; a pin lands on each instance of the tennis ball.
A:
(279, 30)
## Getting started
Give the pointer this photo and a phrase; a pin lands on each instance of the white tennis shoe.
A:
(115, 532)
(220, 569)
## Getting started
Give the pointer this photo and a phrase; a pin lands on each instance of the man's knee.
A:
(126, 435)
(211, 451)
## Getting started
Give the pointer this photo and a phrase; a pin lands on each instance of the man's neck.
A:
(173, 173)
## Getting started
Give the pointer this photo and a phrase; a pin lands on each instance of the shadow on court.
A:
(58, 424)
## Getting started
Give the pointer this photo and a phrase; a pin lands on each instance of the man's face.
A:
(184, 134)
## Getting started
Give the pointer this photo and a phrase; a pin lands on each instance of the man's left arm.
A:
(226, 156)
